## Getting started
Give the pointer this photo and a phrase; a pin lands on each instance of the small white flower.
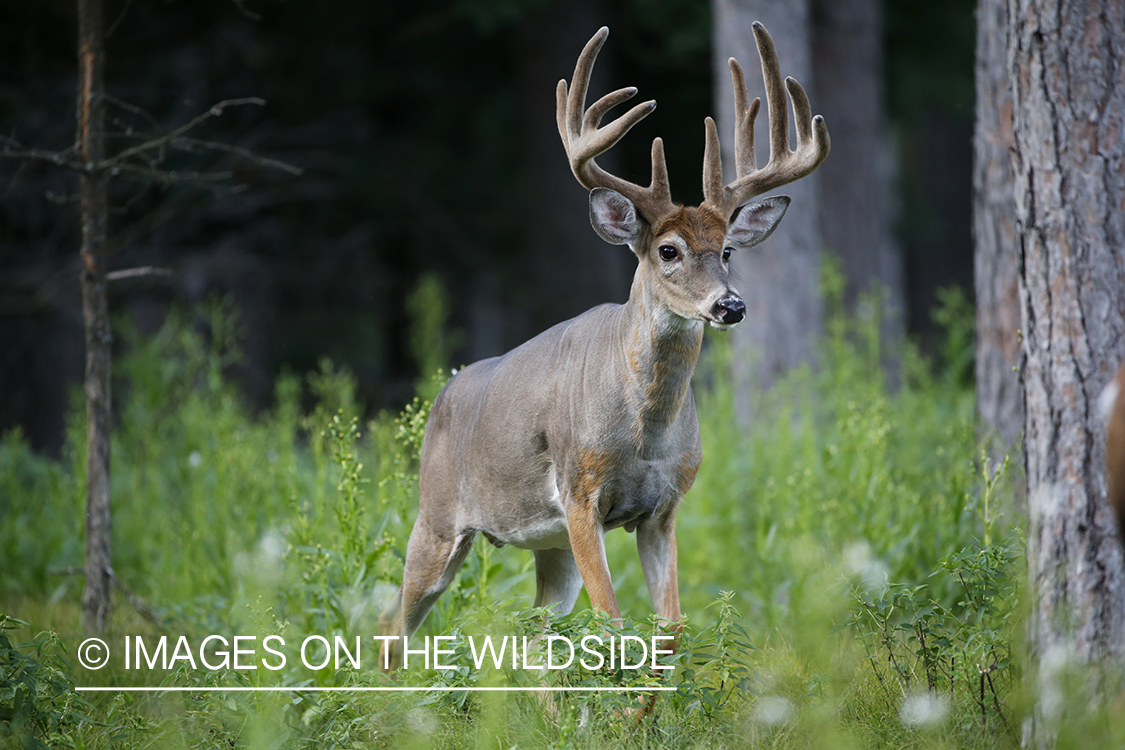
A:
(194, 459)
(861, 562)
(924, 709)
(773, 709)
(271, 548)
(422, 721)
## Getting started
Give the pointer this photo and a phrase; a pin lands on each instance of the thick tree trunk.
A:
(96, 599)
(856, 203)
(1066, 66)
(779, 280)
(999, 395)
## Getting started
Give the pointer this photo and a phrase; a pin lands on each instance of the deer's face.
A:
(685, 258)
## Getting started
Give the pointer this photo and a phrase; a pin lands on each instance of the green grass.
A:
(846, 563)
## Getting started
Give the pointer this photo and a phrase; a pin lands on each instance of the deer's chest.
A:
(631, 490)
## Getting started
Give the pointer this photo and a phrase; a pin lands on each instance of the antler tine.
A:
(593, 117)
(712, 161)
(802, 111)
(785, 165)
(584, 139)
(580, 82)
(659, 186)
(775, 93)
(744, 118)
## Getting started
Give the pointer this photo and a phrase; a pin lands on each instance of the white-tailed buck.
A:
(591, 425)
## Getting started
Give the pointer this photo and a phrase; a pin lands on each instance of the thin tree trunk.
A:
(1066, 66)
(96, 599)
(779, 280)
(999, 395)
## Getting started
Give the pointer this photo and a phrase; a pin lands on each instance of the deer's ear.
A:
(755, 221)
(614, 217)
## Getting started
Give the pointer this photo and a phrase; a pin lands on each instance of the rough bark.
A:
(856, 204)
(779, 279)
(999, 395)
(1067, 67)
(96, 599)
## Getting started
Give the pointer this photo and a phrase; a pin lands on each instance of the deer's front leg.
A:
(587, 542)
(656, 544)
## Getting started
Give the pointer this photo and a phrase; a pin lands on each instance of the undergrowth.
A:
(848, 565)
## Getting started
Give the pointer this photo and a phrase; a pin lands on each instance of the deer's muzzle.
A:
(729, 310)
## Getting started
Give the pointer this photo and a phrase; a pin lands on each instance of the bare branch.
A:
(117, 22)
(237, 151)
(134, 109)
(12, 183)
(215, 111)
(143, 608)
(13, 149)
(170, 177)
(133, 273)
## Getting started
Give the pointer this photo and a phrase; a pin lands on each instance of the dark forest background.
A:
(425, 132)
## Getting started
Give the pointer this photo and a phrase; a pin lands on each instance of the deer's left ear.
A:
(614, 217)
(753, 222)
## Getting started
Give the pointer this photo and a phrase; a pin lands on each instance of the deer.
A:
(591, 425)
(1111, 406)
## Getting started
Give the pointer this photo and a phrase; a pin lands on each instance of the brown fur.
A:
(665, 374)
(686, 477)
(1115, 453)
(584, 524)
(701, 228)
(671, 609)
(591, 471)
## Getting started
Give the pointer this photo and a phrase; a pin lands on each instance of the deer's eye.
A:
(667, 252)
(726, 253)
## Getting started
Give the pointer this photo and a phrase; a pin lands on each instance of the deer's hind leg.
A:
(432, 560)
(557, 580)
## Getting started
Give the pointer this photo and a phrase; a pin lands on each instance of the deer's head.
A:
(684, 252)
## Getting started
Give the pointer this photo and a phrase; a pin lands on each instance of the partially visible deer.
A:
(591, 425)
(1112, 407)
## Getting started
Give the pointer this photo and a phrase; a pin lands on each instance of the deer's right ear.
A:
(753, 222)
(614, 217)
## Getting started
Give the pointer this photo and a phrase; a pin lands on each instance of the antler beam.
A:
(785, 165)
(584, 139)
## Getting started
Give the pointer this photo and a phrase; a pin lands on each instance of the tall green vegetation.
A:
(846, 566)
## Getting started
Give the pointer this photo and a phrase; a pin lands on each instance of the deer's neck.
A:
(661, 351)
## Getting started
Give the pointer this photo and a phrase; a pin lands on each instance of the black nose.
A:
(730, 310)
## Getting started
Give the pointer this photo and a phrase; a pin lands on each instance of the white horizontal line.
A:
(361, 689)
